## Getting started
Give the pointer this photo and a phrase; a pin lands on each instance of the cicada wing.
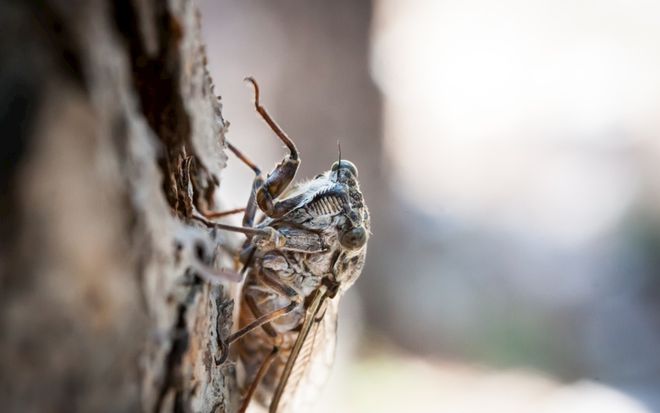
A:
(312, 366)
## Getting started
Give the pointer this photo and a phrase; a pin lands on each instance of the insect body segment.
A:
(305, 251)
(325, 205)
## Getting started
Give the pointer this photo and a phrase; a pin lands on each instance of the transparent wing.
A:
(313, 364)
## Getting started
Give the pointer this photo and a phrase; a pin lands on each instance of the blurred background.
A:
(508, 152)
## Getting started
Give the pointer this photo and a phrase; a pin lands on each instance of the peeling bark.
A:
(112, 136)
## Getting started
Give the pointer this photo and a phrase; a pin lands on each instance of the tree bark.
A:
(112, 137)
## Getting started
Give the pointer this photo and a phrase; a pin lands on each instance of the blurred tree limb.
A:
(111, 137)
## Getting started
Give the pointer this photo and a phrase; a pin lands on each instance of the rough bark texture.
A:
(111, 137)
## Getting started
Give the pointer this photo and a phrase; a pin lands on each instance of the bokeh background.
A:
(508, 151)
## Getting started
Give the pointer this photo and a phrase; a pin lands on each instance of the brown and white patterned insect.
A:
(307, 249)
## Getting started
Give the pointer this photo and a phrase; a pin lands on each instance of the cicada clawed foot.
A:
(224, 352)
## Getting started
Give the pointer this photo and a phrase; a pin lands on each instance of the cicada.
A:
(306, 245)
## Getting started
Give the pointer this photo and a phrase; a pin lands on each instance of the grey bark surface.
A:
(112, 136)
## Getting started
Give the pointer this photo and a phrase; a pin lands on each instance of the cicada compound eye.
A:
(345, 165)
(354, 238)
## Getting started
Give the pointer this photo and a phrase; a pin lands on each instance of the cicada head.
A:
(350, 225)
(354, 230)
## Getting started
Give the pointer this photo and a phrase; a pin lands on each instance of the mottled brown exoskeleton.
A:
(306, 250)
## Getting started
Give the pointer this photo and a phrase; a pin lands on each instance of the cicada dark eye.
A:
(348, 165)
(354, 238)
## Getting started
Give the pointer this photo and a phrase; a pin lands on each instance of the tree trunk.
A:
(112, 137)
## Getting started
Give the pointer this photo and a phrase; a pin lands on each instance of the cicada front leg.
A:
(266, 190)
(279, 179)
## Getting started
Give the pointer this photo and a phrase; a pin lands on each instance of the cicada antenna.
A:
(338, 160)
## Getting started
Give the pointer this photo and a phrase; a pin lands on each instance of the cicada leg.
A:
(280, 178)
(251, 208)
(188, 162)
(263, 369)
(222, 214)
(262, 320)
(266, 190)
